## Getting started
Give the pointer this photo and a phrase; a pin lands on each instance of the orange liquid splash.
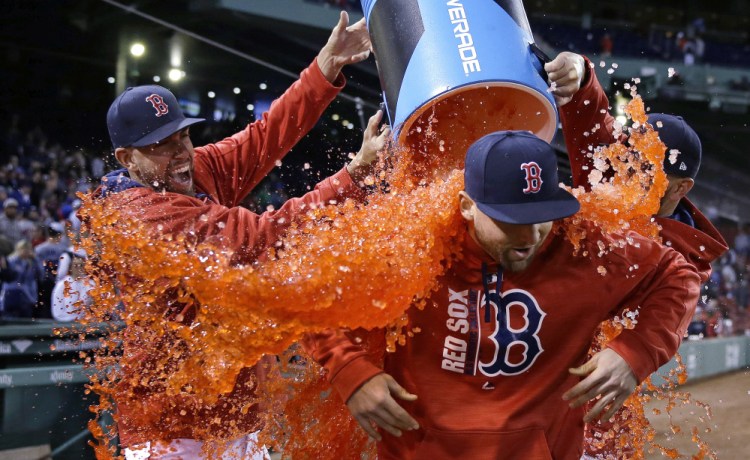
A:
(626, 184)
(335, 268)
(626, 201)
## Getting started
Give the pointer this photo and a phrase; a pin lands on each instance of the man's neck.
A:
(667, 209)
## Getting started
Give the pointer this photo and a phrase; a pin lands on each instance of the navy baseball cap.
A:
(145, 115)
(512, 177)
(678, 135)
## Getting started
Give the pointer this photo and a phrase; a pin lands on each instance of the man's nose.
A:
(181, 150)
(526, 235)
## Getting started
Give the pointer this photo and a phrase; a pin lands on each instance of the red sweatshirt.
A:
(490, 384)
(586, 121)
(225, 173)
(701, 244)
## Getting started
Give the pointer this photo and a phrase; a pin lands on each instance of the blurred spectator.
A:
(700, 48)
(724, 325)
(73, 229)
(699, 25)
(70, 296)
(48, 253)
(12, 225)
(72, 222)
(687, 47)
(20, 289)
(728, 273)
(97, 166)
(697, 327)
(742, 240)
(711, 317)
(6, 248)
(22, 196)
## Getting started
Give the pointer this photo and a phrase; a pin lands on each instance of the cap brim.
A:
(562, 205)
(165, 131)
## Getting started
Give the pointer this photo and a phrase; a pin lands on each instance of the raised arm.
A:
(584, 111)
(229, 169)
(236, 228)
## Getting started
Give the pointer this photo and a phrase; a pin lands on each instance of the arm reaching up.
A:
(374, 140)
(565, 74)
(346, 45)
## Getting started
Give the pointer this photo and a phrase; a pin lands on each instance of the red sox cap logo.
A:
(533, 177)
(158, 102)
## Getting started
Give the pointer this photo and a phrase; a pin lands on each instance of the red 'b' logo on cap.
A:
(161, 107)
(533, 177)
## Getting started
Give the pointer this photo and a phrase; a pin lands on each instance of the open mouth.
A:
(520, 253)
(181, 174)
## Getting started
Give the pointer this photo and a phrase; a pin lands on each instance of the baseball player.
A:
(497, 365)
(584, 105)
(174, 188)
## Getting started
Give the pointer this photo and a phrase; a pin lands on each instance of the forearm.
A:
(586, 124)
(346, 363)
(270, 226)
(665, 309)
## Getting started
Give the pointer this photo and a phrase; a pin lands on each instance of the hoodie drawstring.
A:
(486, 276)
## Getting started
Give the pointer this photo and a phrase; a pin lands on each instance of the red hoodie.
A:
(586, 121)
(589, 108)
(225, 172)
(490, 386)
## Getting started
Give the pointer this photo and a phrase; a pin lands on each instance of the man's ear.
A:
(466, 204)
(680, 189)
(685, 186)
(124, 156)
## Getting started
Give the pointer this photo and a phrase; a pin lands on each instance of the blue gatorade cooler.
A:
(454, 70)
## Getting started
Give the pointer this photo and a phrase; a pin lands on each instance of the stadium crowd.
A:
(723, 309)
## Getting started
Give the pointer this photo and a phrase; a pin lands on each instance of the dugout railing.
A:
(43, 400)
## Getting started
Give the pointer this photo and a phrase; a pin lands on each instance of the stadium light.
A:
(236, 90)
(137, 49)
(211, 95)
(176, 74)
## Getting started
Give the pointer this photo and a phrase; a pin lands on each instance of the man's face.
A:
(26, 252)
(511, 245)
(11, 211)
(166, 165)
